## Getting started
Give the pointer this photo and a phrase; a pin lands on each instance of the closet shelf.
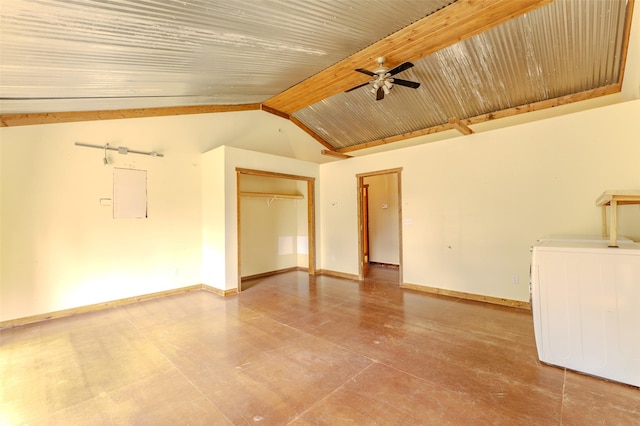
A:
(272, 195)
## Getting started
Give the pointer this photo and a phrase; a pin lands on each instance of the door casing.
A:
(361, 220)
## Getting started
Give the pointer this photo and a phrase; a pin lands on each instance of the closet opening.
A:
(276, 224)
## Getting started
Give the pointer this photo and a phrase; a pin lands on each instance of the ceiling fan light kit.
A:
(383, 81)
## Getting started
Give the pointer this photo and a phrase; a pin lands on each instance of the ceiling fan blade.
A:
(356, 87)
(406, 83)
(367, 72)
(379, 94)
(400, 68)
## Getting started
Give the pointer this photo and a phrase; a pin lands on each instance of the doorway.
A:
(380, 225)
(290, 239)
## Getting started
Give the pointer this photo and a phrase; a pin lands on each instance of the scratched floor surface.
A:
(294, 349)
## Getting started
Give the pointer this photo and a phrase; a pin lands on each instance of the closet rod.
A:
(274, 195)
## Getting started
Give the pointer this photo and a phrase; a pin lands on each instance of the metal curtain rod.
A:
(120, 149)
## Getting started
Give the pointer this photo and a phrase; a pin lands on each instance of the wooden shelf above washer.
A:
(614, 198)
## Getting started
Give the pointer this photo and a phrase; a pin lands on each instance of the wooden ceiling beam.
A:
(458, 21)
(10, 120)
(510, 112)
(396, 138)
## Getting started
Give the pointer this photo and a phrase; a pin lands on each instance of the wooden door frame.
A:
(360, 179)
(311, 216)
(365, 229)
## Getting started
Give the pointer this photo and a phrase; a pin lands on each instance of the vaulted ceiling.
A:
(475, 60)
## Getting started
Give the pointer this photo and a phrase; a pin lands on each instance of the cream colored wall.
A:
(472, 206)
(490, 193)
(1, 227)
(227, 278)
(337, 207)
(61, 248)
(214, 216)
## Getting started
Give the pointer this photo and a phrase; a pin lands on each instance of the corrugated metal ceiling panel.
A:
(118, 54)
(565, 47)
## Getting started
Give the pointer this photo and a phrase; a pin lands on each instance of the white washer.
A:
(583, 238)
(585, 300)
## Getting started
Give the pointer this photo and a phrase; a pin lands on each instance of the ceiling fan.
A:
(383, 79)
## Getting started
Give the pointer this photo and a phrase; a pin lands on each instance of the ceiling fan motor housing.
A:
(381, 70)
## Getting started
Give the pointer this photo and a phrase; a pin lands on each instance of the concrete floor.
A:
(295, 349)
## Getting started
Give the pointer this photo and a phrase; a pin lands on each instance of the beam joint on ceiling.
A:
(274, 111)
(335, 154)
(460, 126)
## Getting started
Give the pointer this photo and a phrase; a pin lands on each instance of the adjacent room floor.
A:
(295, 349)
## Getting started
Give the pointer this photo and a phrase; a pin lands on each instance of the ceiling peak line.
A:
(311, 133)
(303, 127)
